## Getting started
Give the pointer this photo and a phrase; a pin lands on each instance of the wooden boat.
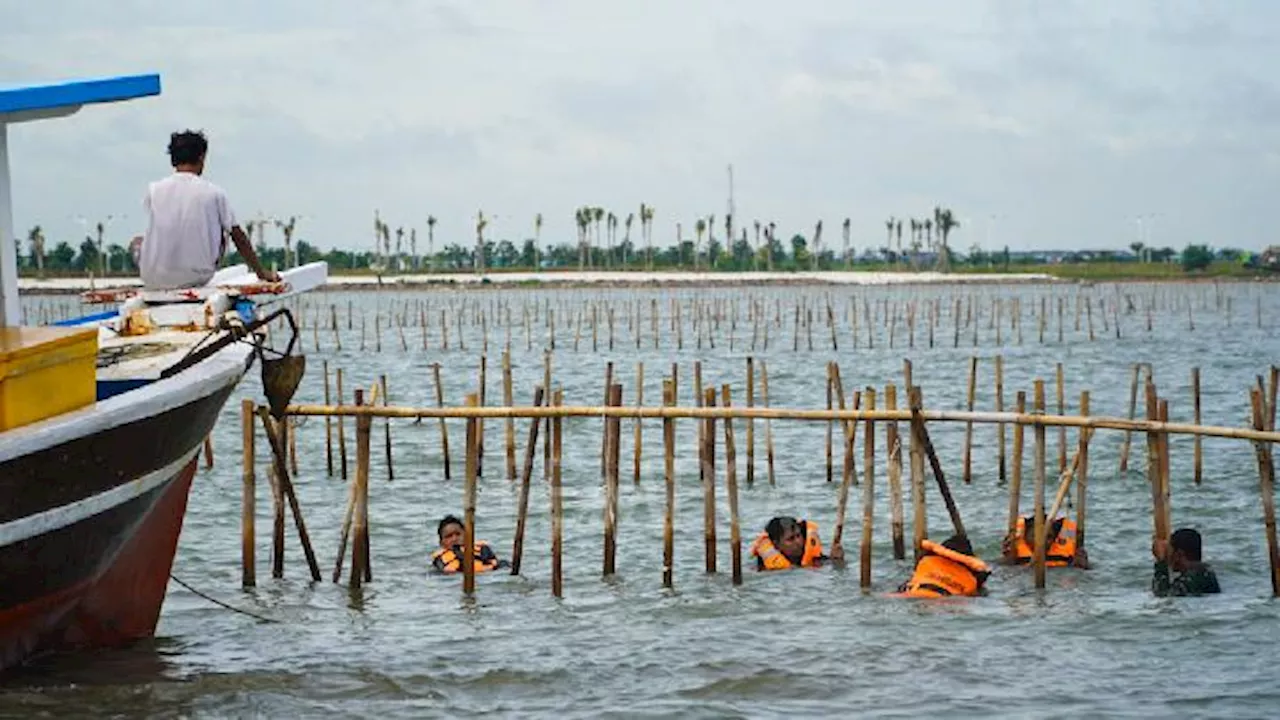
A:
(101, 422)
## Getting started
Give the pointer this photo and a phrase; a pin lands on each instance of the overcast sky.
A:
(1040, 124)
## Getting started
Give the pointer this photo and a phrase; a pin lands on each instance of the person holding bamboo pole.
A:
(1181, 552)
(947, 569)
(447, 558)
(789, 543)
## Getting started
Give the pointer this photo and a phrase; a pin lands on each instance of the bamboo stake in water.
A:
(1062, 431)
(709, 482)
(920, 519)
(918, 428)
(669, 470)
(510, 425)
(751, 427)
(895, 474)
(342, 434)
(530, 453)
(612, 429)
(360, 490)
(386, 427)
(1133, 408)
(444, 429)
(731, 487)
(469, 500)
(1000, 436)
(248, 564)
(1082, 473)
(636, 428)
(830, 426)
(328, 425)
(557, 502)
(868, 492)
(1195, 399)
(1039, 525)
(1266, 486)
(842, 500)
(968, 426)
(768, 425)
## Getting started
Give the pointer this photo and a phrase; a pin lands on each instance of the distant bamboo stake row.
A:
(776, 413)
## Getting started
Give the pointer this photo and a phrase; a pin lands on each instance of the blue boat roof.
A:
(69, 95)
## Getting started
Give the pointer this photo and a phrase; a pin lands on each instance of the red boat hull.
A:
(89, 531)
(118, 606)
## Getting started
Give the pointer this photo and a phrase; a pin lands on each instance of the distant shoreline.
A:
(642, 279)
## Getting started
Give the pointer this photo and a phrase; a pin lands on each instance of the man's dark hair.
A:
(187, 147)
(446, 522)
(777, 526)
(958, 543)
(1187, 541)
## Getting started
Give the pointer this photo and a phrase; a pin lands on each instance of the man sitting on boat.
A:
(1060, 546)
(947, 569)
(787, 543)
(188, 219)
(449, 556)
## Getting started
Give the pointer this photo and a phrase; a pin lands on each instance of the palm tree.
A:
(399, 245)
(537, 241)
(928, 233)
(611, 233)
(431, 241)
(817, 240)
(699, 227)
(386, 245)
(478, 261)
(848, 261)
(755, 257)
(597, 214)
(286, 229)
(626, 238)
(946, 223)
(769, 239)
(888, 225)
(413, 248)
(36, 238)
(377, 232)
(583, 219)
(102, 257)
(899, 231)
(646, 225)
(728, 233)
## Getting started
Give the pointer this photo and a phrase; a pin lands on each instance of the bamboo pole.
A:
(751, 427)
(1000, 436)
(895, 474)
(708, 439)
(830, 426)
(1133, 407)
(604, 438)
(768, 426)
(1195, 400)
(557, 502)
(469, 501)
(1153, 467)
(1015, 485)
(510, 425)
(386, 427)
(636, 428)
(868, 492)
(360, 495)
(1082, 474)
(731, 488)
(1039, 525)
(920, 519)
(546, 444)
(530, 454)
(342, 433)
(968, 427)
(275, 431)
(842, 499)
(482, 400)
(1062, 431)
(845, 426)
(669, 471)
(1266, 486)
(248, 563)
(328, 425)
(611, 432)
(444, 429)
(919, 429)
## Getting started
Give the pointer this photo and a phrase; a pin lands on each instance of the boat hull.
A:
(90, 527)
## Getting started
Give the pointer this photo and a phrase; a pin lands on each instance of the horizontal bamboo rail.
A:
(776, 413)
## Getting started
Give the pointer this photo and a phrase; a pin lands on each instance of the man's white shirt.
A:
(187, 217)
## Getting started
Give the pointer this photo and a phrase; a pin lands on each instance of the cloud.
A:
(1063, 121)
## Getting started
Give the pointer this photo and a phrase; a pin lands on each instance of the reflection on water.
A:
(808, 643)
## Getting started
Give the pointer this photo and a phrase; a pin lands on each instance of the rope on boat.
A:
(220, 603)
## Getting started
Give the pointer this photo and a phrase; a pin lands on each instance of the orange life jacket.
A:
(944, 572)
(773, 559)
(450, 562)
(1059, 552)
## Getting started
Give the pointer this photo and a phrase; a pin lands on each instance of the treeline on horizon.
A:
(397, 251)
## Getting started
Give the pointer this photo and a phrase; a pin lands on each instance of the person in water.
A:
(788, 543)
(1181, 552)
(1060, 547)
(448, 557)
(947, 569)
